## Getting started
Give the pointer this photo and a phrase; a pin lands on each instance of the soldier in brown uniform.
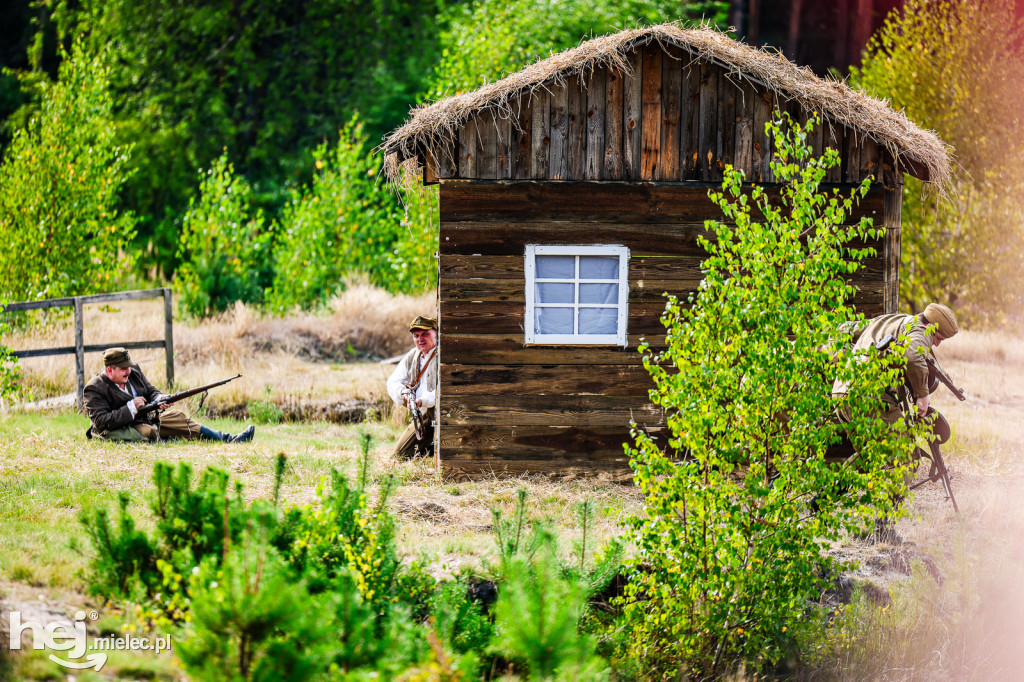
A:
(915, 374)
(413, 384)
(114, 396)
(916, 368)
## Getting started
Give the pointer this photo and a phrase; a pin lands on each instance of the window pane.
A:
(599, 293)
(599, 267)
(556, 292)
(556, 267)
(553, 320)
(598, 320)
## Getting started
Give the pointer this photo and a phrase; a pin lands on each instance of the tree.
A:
(224, 247)
(59, 220)
(488, 39)
(954, 67)
(730, 550)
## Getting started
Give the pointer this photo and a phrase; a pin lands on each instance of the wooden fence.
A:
(80, 348)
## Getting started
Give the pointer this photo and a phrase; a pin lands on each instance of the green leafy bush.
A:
(730, 556)
(223, 246)
(348, 222)
(59, 181)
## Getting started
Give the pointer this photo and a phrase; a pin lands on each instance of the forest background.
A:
(227, 147)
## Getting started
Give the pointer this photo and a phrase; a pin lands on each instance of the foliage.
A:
(224, 248)
(268, 79)
(60, 223)
(192, 524)
(485, 40)
(251, 620)
(9, 373)
(952, 66)
(347, 222)
(543, 611)
(536, 620)
(265, 411)
(729, 552)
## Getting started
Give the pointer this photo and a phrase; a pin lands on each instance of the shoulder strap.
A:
(426, 364)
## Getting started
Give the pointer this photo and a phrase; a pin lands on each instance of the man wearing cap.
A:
(113, 398)
(413, 384)
(921, 343)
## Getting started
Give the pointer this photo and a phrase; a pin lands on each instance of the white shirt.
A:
(399, 378)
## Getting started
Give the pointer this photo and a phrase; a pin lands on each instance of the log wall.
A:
(506, 407)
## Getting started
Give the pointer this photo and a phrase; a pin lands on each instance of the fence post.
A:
(79, 353)
(169, 337)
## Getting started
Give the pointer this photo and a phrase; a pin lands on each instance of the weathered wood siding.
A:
(670, 118)
(507, 407)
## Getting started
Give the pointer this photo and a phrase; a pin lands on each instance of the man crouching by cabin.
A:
(413, 385)
(916, 367)
(113, 398)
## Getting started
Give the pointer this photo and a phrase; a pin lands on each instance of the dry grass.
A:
(435, 126)
(968, 626)
(309, 358)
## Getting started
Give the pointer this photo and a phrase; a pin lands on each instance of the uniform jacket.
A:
(107, 405)
(405, 373)
(916, 369)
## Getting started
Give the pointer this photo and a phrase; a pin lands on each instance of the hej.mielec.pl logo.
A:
(72, 637)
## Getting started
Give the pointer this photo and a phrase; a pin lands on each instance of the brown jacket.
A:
(107, 405)
(916, 369)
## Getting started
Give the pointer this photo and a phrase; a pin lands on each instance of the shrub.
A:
(224, 246)
(729, 553)
(964, 248)
(59, 183)
(252, 620)
(347, 222)
(193, 524)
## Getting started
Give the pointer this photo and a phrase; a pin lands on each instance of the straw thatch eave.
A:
(919, 152)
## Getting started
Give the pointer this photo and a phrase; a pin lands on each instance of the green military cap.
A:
(116, 357)
(422, 323)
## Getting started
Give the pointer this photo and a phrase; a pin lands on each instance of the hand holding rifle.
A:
(409, 396)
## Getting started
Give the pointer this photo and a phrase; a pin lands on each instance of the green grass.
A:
(50, 474)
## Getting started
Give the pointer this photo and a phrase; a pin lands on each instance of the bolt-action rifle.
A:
(181, 395)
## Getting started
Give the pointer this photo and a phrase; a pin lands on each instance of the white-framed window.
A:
(577, 294)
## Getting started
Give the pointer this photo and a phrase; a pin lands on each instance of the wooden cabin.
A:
(571, 196)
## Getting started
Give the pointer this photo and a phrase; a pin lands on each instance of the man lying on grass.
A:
(113, 398)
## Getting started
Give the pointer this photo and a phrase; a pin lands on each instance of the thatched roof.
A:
(919, 151)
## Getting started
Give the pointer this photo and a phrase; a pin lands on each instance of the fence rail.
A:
(80, 349)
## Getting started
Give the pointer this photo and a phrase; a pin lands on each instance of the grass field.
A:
(49, 473)
(967, 625)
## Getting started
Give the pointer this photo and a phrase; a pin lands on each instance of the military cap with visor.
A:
(422, 323)
(116, 357)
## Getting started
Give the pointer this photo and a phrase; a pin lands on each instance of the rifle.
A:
(935, 372)
(417, 418)
(181, 395)
(940, 427)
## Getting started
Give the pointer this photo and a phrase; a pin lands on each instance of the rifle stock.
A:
(181, 395)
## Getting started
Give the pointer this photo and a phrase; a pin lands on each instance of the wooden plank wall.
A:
(670, 118)
(508, 408)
